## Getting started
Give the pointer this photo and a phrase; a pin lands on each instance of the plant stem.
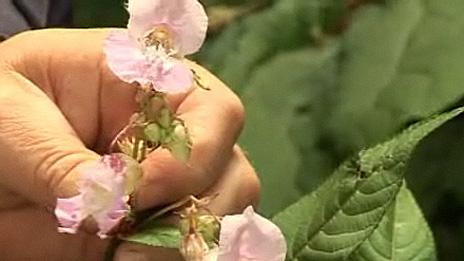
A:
(143, 151)
(135, 151)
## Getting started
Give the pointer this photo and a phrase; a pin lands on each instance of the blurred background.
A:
(323, 79)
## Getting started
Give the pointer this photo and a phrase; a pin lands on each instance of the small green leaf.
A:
(341, 214)
(402, 235)
(157, 235)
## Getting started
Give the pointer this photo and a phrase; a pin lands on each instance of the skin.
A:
(60, 107)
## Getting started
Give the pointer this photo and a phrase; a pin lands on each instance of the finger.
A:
(29, 233)
(237, 188)
(69, 66)
(39, 151)
(138, 252)
(214, 117)
(96, 103)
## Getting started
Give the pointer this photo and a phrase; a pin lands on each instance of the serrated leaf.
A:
(348, 207)
(403, 61)
(270, 108)
(158, 235)
(402, 235)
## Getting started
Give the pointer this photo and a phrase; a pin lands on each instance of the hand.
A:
(60, 107)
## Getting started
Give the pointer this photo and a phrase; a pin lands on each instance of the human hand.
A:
(60, 106)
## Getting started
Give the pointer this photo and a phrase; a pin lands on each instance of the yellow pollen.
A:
(159, 36)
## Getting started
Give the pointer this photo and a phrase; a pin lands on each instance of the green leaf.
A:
(272, 98)
(403, 61)
(157, 235)
(285, 26)
(402, 235)
(347, 208)
(295, 217)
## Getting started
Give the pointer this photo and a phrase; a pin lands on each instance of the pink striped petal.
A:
(102, 196)
(250, 237)
(69, 215)
(125, 58)
(130, 65)
(177, 79)
(185, 18)
(111, 217)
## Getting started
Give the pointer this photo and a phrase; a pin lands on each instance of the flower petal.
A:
(116, 162)
(124, 57)
(212, 255)
(186, 18)
(250, 237)
(102, 187)
(111, 217)
(178, 79)
(68, 213)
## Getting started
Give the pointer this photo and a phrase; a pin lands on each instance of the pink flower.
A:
(160, 33)
(103, 195)
(250, 237)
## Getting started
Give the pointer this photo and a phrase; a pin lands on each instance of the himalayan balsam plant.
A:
(150, 56)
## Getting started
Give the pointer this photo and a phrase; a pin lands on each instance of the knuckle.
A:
(250, 181)
(29, 36)
(252, 185)
(18, 41)
(58, 172)
(235, 110)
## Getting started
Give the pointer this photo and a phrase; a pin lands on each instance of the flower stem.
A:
(143, 151)
(135, 151)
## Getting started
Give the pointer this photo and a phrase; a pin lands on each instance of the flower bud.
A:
(206, 225)
(153, 132)
(193, 247)
(133, 173)
(165, 118)
(180, 145)
(209, 227)
(180, 132)
(122, 163)
(157, 102)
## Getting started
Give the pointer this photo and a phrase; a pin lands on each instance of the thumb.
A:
(132, 251)
(39, 151)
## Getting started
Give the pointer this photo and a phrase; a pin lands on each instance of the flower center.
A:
(160, 36)
(158, 48)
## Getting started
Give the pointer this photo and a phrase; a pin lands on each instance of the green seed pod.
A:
(165, 118)
(153, 132)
